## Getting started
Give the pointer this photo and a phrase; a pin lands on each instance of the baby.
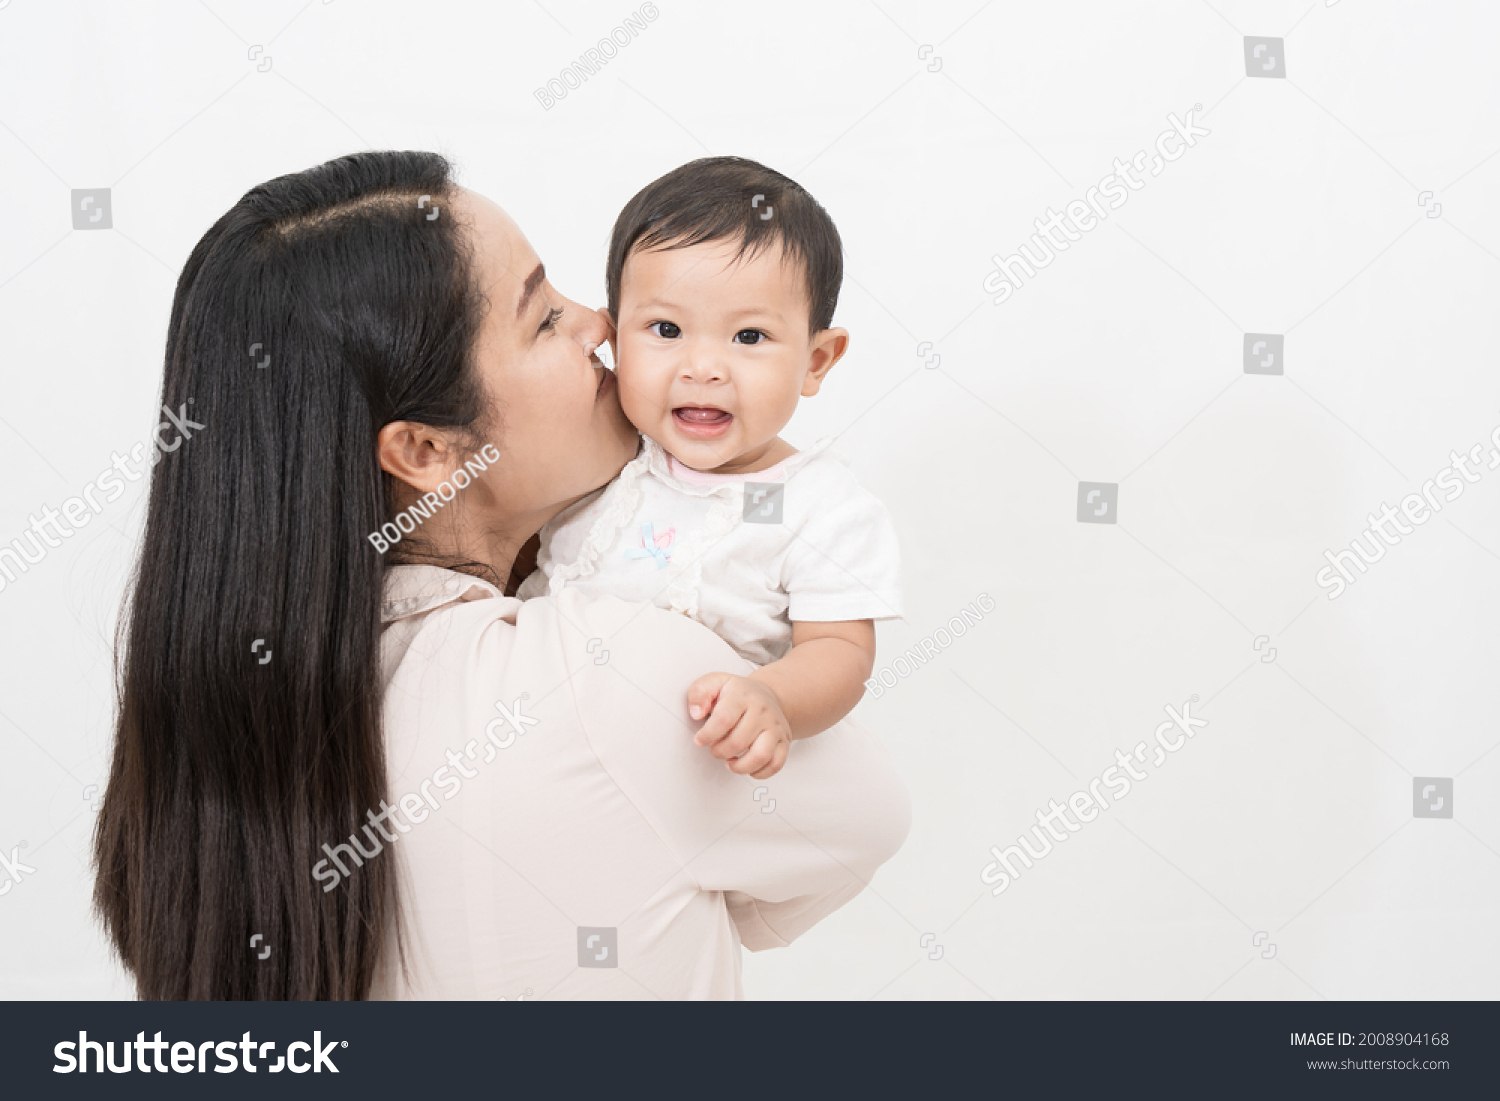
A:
(722, 280)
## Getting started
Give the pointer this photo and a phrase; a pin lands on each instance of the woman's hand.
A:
(745, 727)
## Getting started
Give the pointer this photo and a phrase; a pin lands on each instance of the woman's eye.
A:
(749, 336)
(550, 321)
(665, 329)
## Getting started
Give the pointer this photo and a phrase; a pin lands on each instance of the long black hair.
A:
(324, 305)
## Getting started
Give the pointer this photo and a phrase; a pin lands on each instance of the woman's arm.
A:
(787, 852)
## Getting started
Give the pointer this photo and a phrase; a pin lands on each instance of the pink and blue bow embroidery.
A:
(654, 546)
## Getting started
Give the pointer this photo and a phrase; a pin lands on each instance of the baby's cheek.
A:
(774, 401)
(645, 391)
(635, 395)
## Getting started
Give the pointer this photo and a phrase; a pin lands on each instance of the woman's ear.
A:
(413, 453)
(828, 347)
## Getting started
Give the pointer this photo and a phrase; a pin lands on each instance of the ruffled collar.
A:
(653, 459)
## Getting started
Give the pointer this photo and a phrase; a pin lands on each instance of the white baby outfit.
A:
(744, 555)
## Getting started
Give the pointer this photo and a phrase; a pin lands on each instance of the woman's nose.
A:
(590, 328)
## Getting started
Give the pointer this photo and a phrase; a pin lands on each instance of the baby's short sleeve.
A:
(844, 562)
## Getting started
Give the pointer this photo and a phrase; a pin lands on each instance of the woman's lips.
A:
(703, 422)
(606, 383)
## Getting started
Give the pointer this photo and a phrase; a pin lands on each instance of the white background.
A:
(1291, 814)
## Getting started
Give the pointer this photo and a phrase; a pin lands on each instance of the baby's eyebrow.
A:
(757, 311)
(654, 304)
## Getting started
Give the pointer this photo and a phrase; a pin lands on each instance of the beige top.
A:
(558, 833)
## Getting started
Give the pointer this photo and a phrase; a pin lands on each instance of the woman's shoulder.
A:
(410, 591)
(583, 627)
(613, 672)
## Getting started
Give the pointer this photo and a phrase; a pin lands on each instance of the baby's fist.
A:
(745, 727)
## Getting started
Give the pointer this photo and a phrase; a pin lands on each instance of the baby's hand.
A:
(745, 721)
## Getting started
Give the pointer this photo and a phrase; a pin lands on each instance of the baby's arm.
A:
(752, 720)
(823, 675)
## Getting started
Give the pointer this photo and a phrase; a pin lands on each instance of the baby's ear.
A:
(827, 348)
(609, 339)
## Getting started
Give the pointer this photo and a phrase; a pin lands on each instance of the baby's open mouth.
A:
(702, 421)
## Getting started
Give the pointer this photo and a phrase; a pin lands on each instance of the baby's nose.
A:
(702, 368)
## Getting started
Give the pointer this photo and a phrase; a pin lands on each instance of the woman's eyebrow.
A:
(533, 281)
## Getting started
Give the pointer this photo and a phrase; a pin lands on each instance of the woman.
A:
(346, 764)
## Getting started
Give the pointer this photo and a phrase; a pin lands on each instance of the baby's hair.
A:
(720, 198)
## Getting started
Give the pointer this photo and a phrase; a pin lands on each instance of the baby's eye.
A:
(665, 329)
(749, 336)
